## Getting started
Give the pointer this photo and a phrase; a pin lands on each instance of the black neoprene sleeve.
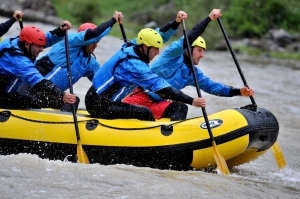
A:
(4, 27)
(171, 25)
(174, 94)
(48, 88)
(99, 29)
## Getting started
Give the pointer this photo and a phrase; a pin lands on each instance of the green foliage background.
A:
(241, 18)
(253, 18)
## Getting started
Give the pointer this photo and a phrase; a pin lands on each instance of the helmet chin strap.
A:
(146, 55)
(149, 47)
(186, 53)
(29, 51)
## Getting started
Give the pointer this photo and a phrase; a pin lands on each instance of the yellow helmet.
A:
(199, 42)
(149, 37)
(0, 39)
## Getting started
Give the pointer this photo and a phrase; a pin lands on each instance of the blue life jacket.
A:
(129, 65)
(108, 68)
(129, 72)
(16, 66)
(82, 65)
(170, 66)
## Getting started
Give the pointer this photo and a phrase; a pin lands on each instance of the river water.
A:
(276, 85)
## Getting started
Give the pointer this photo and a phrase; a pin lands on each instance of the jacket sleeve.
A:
(210, 86)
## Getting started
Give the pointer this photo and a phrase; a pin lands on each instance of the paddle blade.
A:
(278, 155)
(81, 155)
(221, 163)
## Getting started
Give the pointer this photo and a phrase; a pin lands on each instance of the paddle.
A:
(275, 148)
(221, 163)
(122, 30)
(20, 22)
(81, 155)
(278, 155)
(254, 106)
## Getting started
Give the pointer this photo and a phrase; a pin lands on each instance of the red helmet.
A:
(85, 26)
(33, 35)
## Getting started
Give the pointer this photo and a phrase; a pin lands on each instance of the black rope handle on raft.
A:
(99, 123)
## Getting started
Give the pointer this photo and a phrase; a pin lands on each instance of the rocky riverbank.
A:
(278, 40)
(35, 10)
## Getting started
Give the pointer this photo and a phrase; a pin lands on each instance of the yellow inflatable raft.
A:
(241, 135)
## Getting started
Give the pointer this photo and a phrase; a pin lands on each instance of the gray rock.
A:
(281, 37)
(151, 24)
(35, 10)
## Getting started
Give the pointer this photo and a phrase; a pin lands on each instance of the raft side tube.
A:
(263, 126)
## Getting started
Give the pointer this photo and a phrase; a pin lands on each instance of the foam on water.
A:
(31, 176)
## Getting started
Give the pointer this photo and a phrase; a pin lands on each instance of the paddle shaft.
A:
(275, 147)
(70, 83)
(123, 31)
(196, 82)
(234, 58)
(20, 22)
(220, 161)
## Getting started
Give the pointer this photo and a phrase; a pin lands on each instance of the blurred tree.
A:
(254, 18)
(84, 11)
(246, 18)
